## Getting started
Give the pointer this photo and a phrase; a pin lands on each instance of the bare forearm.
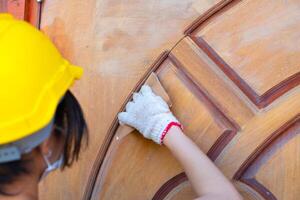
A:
(150, 114)
(204, 176)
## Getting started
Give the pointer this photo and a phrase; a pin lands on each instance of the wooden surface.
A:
(237, 70)
(157, 161)
(255, 143)
(116, 41)
(260, 50)
(17, 8)
(28, 10)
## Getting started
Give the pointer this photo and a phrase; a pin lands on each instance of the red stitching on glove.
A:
(166, 130)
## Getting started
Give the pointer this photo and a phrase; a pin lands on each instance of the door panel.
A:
(234, 84)
(132, 159)
(233, 79)
(276, 156)
(207, 75)
(255, 43)
(115, 41)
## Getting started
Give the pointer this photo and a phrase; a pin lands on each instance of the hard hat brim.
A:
(14, 151)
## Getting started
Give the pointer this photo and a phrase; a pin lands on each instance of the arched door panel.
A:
(234, 83)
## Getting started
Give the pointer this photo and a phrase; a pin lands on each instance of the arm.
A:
(151, 116)
(204, 176)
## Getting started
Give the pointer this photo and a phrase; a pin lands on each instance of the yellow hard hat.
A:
(33, 78)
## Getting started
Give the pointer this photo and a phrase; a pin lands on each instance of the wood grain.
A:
(232, 127)
(263, 61)
(276, 149)
(257, 43)
(170, 185)
(116, 42)
(99, 162)
(215, 85)
(176, 188)
(172, 80)
(260, 101)
(221, 6)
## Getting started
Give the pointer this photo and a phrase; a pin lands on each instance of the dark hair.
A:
(71, 122)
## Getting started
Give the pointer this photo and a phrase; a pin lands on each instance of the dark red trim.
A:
(203, 95)
(262, 190)
(221, 142)
(249, 161)
(195, 88)
(29, 10)
(248, 169)
(219, 8)
(33, 12)
(260, 101)
(88, 192)
(169, 186)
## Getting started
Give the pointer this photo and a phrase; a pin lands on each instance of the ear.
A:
(45, 147)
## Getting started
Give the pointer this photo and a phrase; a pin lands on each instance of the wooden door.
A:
(115, 41)
(233, 78)
(234, 83)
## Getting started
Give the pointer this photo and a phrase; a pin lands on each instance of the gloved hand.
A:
(149, 114)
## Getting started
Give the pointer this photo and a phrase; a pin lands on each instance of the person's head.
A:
(42, 125)
(68, 134)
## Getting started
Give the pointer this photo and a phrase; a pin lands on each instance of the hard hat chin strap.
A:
(13, 151)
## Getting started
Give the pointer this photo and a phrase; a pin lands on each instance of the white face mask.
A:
(51, 167)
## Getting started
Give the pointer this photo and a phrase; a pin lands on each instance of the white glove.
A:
(149, 114)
